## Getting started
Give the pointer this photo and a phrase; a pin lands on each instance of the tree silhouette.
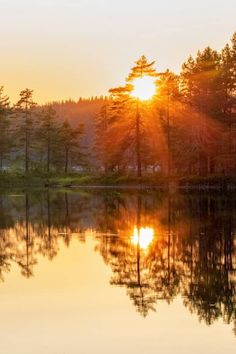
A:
(25, 116)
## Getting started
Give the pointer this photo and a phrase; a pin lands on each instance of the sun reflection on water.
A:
(143, 237)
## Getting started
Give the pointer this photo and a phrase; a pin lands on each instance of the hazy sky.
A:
(72, 48)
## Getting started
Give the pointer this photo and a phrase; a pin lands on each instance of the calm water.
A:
(117, 272)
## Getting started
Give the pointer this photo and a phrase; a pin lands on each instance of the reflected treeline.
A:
(162, 247)
(158, 246)
(34, 224)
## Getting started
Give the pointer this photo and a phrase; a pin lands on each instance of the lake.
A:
(116, 271)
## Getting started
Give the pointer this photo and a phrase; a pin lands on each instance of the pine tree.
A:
(200, 78)
(69, 148)
(26, 119)
(227, 83)
(126, 137)
(141, 69)
(119, 140)
(102, 127)
(168, 95)
(201, 90)
(47, 134)
(5, 133)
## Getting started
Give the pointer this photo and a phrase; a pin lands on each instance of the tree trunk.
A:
(1, 163)
(138, 152)
(26, 151)
(66, 161)
(48, 157)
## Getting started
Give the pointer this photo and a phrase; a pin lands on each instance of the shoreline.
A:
(218, 184)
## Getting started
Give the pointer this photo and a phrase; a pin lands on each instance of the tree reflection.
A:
(158, 246)
(192, 254)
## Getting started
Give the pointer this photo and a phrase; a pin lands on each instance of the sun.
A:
(144, 88)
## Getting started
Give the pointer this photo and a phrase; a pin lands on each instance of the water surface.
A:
(117, 272)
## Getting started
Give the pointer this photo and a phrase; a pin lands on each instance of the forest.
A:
(186, 128)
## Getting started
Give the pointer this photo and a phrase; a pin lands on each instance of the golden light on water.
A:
(144, 237)
(144, 88)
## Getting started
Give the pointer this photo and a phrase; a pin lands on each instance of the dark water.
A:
(114, 271)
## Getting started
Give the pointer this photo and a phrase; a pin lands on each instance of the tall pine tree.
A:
(25, 127)
(5, 133)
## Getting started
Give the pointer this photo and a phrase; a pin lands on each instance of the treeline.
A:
(187, 128)
(54, 137)
(33, 137)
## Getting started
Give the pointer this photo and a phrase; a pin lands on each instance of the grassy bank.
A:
(36, 180)
(32, 180)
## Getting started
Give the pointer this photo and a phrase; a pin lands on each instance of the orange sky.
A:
(70, 48)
